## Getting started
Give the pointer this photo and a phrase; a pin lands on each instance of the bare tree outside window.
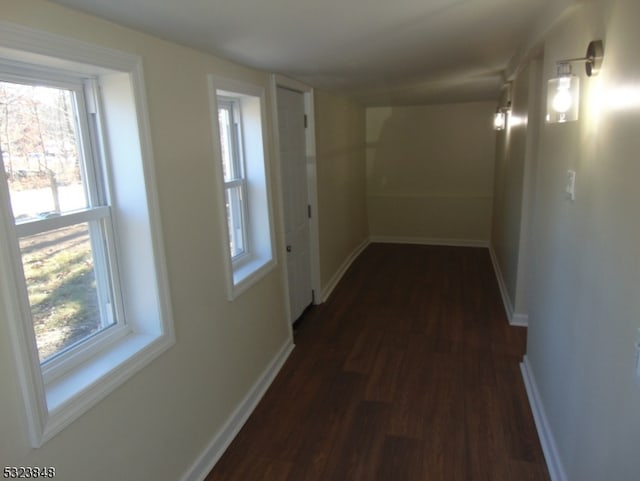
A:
(42, 157)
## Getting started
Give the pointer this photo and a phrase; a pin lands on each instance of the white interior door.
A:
(293, 155)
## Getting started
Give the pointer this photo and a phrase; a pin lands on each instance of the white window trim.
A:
(241, 275)
(52, 406)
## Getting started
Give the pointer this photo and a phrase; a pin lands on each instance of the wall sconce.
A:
(563, 92)
(500, 117)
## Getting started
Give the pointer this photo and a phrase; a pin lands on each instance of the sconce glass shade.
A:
(499, 120)
(563, 99)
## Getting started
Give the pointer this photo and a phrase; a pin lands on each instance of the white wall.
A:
(430, 172)
(155, 426)
(584, 305)
(341, 183)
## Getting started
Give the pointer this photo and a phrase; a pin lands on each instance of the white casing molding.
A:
(549, 448)
(223, 438)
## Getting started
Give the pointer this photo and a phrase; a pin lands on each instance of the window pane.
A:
(61, 281)
(235, 220)
(226, 142)
(230, 136)
(40, 150)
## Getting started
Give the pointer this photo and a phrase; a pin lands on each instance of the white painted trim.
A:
(312, 175)
(514, 318)
(293, 84)
(279, 198)
(506, 300)
(312, 191)
(549, 448)
(520, 320)
(333, 282)
(223, 438)
(430, 241)
(239, 279)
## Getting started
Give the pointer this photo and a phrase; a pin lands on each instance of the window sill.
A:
(247, 274)
(71, 395)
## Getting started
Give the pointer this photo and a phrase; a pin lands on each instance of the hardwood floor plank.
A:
(400, 460)
(330, 417)
(359, 444)
(363, 353)
(488, 453)
(409, 372)
(414, 387)
(384, 376)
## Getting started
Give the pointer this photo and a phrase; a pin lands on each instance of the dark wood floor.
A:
(409, 372)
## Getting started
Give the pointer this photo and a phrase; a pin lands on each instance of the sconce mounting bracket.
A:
(595, 54)
(592, 61)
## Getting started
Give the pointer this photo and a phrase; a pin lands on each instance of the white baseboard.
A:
(515, 319)
(521, 320)
(508, 306)
(551, 455)
(333, 282)
(221, 441)
(430, 241)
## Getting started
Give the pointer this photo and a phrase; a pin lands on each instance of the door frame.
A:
(312, 186)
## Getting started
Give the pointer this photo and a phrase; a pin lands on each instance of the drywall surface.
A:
(155, 425)
(514, 182)
(341, 181)
(430, 172)
(584, 307)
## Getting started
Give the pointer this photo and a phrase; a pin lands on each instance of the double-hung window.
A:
(238, 120)
(83, 285)
(62, 218)
(235, 181)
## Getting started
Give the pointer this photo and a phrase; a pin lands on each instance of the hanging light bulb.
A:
(501, 116)
(562, 100)
(563, 96)
(499, 120)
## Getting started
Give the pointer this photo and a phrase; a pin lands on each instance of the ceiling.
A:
(381, 52)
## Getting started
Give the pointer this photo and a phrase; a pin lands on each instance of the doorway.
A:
(297, 164)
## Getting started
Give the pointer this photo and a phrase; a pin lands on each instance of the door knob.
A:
(289, 248)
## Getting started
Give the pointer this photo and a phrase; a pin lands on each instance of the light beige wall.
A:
(430, 172)
(584, 304)
(154, 426)
(507, 189)
(516, 153)
(341, 181)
